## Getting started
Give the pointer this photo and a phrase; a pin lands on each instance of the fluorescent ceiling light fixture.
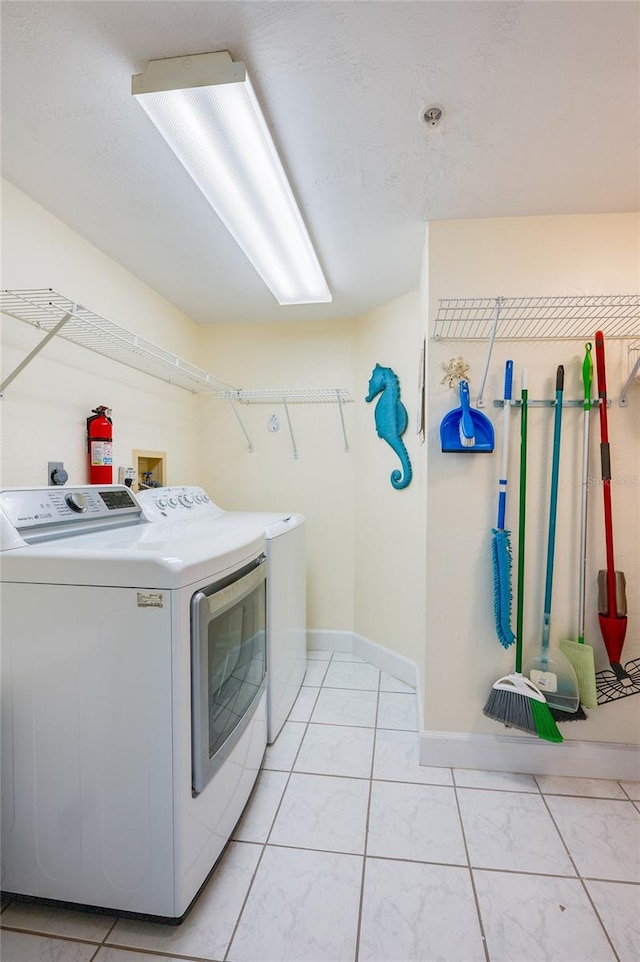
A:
(206, 109)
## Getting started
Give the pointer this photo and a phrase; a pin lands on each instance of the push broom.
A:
(514, 700)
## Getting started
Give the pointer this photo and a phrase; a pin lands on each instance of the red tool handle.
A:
(605, 460)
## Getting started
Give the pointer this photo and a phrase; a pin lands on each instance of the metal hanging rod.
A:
(527, 318)
(549, 403)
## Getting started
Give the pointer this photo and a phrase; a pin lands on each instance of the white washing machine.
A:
(286, 584)
(133, 697)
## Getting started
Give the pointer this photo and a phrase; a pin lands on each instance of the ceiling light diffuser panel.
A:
(206, 109)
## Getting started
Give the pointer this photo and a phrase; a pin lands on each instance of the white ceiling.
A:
(541, 116)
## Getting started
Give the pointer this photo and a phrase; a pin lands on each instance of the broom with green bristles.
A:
(514, 700)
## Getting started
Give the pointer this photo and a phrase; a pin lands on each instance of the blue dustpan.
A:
(466, 430)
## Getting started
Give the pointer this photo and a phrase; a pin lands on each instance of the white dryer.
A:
(133, 697)
(285, 535)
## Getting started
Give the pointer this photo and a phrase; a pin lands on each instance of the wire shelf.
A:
(46, 309)
(294, 396)
(542, 318)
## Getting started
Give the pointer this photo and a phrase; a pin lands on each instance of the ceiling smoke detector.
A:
(431, 116)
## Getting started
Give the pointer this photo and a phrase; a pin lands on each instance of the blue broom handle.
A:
(555, 473)
(502, 490)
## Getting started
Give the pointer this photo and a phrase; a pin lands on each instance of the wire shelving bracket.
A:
(634, 375)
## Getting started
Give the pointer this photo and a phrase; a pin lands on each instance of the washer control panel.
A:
(31, 508)
(177, 502)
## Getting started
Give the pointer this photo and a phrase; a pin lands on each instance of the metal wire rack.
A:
(293, 396)
(57, 315)
(541, 318)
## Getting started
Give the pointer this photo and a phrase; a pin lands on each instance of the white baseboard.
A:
(320, 639)
(386, 660)
(492, 753)
(524, 753)
(383, 658)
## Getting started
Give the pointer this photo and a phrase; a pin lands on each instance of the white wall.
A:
(320, 483)
(521, 257)
(368, 566)
(365, 539)
(390, 524)
(44, 411)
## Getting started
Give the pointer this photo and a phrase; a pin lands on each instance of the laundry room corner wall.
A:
(44, 410)
(319, 482)
(520, 257)
(390, 523)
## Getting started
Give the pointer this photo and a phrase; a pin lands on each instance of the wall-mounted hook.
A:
(455, 370)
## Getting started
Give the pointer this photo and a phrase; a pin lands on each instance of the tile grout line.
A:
(154, 954)
(151, 953)
(76, 939)
(145, 952)
(71, 940)
(275, 816)
(483, 934)
(622, 788)
(366, 825)
(109, 931)
(580, 878)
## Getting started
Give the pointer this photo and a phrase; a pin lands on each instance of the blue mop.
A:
(500, 542)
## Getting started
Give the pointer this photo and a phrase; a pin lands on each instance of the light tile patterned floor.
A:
(349, 851)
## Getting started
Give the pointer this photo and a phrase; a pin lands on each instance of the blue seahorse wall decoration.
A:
(391, 419)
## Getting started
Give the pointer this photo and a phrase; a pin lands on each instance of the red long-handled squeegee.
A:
(612, 603)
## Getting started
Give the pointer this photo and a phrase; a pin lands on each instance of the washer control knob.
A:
(161, 503)
(77, 502)
(172, 502)
(205, 498)
(186, 500)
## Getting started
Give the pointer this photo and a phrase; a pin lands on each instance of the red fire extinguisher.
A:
(99, 435)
